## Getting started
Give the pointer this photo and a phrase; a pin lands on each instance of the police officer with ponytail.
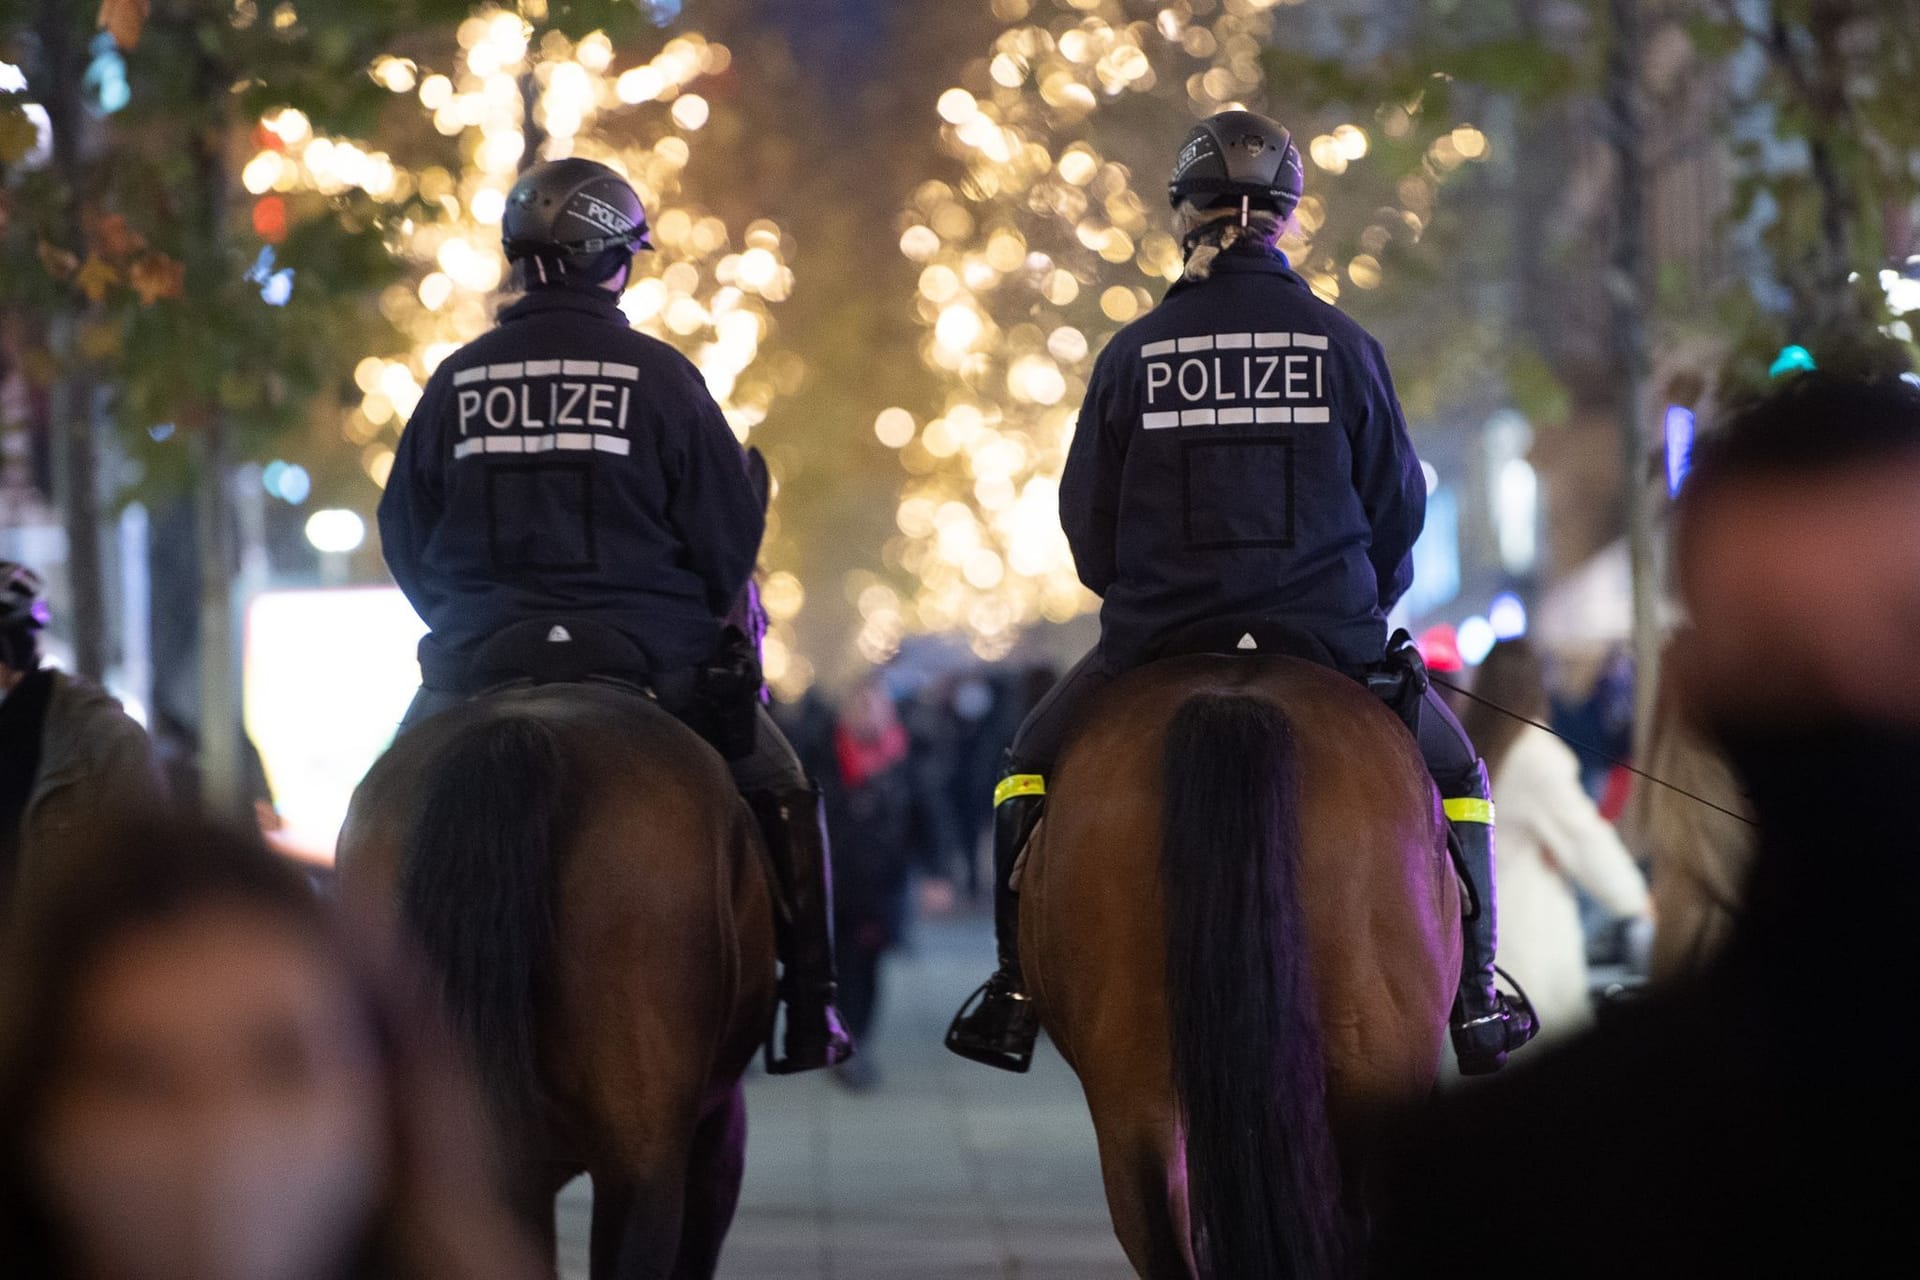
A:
(1241, 452)
(564, 469)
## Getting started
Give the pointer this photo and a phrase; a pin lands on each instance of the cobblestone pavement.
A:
(945, 1171)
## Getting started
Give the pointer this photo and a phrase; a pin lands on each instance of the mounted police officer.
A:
(571, 481)
(1241, 452)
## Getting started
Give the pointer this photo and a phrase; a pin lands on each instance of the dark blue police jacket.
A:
(564, 464)
(1241, 451)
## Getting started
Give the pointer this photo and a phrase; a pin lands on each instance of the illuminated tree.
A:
(136, 285)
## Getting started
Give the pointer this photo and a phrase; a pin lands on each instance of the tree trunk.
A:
(1629, 294)
(74, 410)
(223, 780)
(222, 785)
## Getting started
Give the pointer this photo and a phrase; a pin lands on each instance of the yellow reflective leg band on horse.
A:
(1469, 809)
(1018, 784)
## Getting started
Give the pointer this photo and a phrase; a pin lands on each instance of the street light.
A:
(336, 534)
(336, 531)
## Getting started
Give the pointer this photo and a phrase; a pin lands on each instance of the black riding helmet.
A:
(1239, 156)
(575, 217)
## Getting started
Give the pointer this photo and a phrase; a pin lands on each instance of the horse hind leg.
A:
(1145, 1175)
(636, 1226)
(714, 1172)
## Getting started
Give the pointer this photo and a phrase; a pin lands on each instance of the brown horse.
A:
(1243, 931)
(579, 870)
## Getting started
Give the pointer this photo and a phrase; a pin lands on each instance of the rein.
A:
(1590, 749)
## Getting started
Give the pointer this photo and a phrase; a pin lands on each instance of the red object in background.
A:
(270, 219)
(1440, 647)
(863, 759)
(266, 139)
(1615, 793)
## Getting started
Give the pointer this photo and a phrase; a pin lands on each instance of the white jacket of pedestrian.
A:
(1552, 838)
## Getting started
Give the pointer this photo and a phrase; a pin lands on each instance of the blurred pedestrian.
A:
(200, 1080)
(1602, 718)
(1753, 1119)
(1552, 841)
(70, 758)
(1700, 853)
(937, 768)
(870, 814)
(177, 749)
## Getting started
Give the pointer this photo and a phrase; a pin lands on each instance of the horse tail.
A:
(477, 892)
(1248, 1061)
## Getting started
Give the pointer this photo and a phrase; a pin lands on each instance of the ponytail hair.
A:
(1207, 233)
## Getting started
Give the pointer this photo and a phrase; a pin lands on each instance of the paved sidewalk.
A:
(946, 1171)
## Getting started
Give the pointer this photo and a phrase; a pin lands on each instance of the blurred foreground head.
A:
(1799, 558)
(200, 1079)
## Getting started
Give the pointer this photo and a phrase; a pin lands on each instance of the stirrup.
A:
(1481, 1044)
(998, 1026)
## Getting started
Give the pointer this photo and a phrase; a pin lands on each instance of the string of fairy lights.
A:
(708, 289)
(1054, 237)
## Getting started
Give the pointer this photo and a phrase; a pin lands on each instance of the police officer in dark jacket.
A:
(1241, 452)
(564, 467)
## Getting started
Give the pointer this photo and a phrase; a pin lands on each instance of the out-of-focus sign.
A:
(328, 676)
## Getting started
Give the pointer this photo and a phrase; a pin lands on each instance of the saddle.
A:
(718, 699)
(557, 651)
(1400, 679)
(1249, 636)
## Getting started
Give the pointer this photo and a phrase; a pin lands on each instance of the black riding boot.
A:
(1487, 1024)
(796, 836)
(998, 1024)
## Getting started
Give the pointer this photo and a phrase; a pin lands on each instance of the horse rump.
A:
(1248, 1057)
(477, 894)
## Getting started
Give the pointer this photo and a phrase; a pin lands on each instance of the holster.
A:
(727, 696)
(1401, 681)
